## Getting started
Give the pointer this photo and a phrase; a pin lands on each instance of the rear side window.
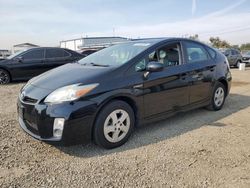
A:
(56, 53)
(211, 52)
(34, 54)
(195, 52)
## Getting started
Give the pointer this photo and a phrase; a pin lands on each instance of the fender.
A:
(134, 97)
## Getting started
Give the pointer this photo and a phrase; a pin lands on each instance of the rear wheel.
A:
(4, 77)
(218, 97)
(114, 124)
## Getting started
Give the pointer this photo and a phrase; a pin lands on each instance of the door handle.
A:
(197, 76)
(139, 86)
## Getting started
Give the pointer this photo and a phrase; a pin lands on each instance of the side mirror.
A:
(19, 59)
(154, 66)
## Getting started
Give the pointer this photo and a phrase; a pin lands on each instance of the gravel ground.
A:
(195, 149)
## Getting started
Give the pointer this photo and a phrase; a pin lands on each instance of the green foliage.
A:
(218, 43)
(194, 37)
(245, 46)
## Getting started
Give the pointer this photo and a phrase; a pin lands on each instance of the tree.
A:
(245, 46)
(218, 43)
(194, 37)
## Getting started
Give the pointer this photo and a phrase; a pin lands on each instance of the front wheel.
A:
(4, 77)
(114, 124)
(218, 97)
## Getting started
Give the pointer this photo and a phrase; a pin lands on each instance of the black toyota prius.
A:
(106, 95)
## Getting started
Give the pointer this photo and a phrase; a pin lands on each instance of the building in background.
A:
(91, 43)
(23, 46)
(4, 54)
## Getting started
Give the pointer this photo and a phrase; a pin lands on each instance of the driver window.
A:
(169, 55)
(34, 55)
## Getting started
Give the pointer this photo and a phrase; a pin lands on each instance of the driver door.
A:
(30, 64)
(167, 90)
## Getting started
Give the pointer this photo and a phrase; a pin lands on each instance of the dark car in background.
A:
(88, 52)
(115, 89)
(234, 57)
(246, 57)
(29, 63)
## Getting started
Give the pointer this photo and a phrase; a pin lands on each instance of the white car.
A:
(246, 57)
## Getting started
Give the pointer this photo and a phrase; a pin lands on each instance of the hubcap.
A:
(219, 97)
(4, 78)
(116, 125)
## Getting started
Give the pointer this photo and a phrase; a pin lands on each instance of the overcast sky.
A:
(46, 22)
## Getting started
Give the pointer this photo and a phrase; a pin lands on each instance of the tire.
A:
(218, 97)
(109, 130)
(4, 77)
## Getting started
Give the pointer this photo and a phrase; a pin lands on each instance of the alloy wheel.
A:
(116, 125)
(4, 77)
(219, 96)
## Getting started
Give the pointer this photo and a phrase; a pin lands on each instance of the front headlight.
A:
(69, 93)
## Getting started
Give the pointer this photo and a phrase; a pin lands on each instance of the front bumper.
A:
(246, 61)
(37, 120)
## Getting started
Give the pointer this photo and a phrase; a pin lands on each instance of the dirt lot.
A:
(196, 149)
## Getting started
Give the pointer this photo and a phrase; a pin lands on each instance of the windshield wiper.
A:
(96, 64)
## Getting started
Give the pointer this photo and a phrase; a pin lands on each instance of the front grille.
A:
(31, 127)
(29, 100)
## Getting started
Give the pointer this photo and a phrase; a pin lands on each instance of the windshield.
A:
(15, 54)
(115, 55)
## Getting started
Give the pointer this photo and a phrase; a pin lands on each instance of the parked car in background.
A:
(246, 57)
(4, 54)
(2, 57)
(115, 89)
(88, 52)
(234, 57)
(29, 63)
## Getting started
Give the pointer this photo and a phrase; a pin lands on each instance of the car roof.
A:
(163, 39)
(47, 48)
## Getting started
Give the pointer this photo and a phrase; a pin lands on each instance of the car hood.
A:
(68, 74)
(5, 61)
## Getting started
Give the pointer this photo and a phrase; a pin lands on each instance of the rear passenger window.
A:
(56, 53)
(195, 52)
